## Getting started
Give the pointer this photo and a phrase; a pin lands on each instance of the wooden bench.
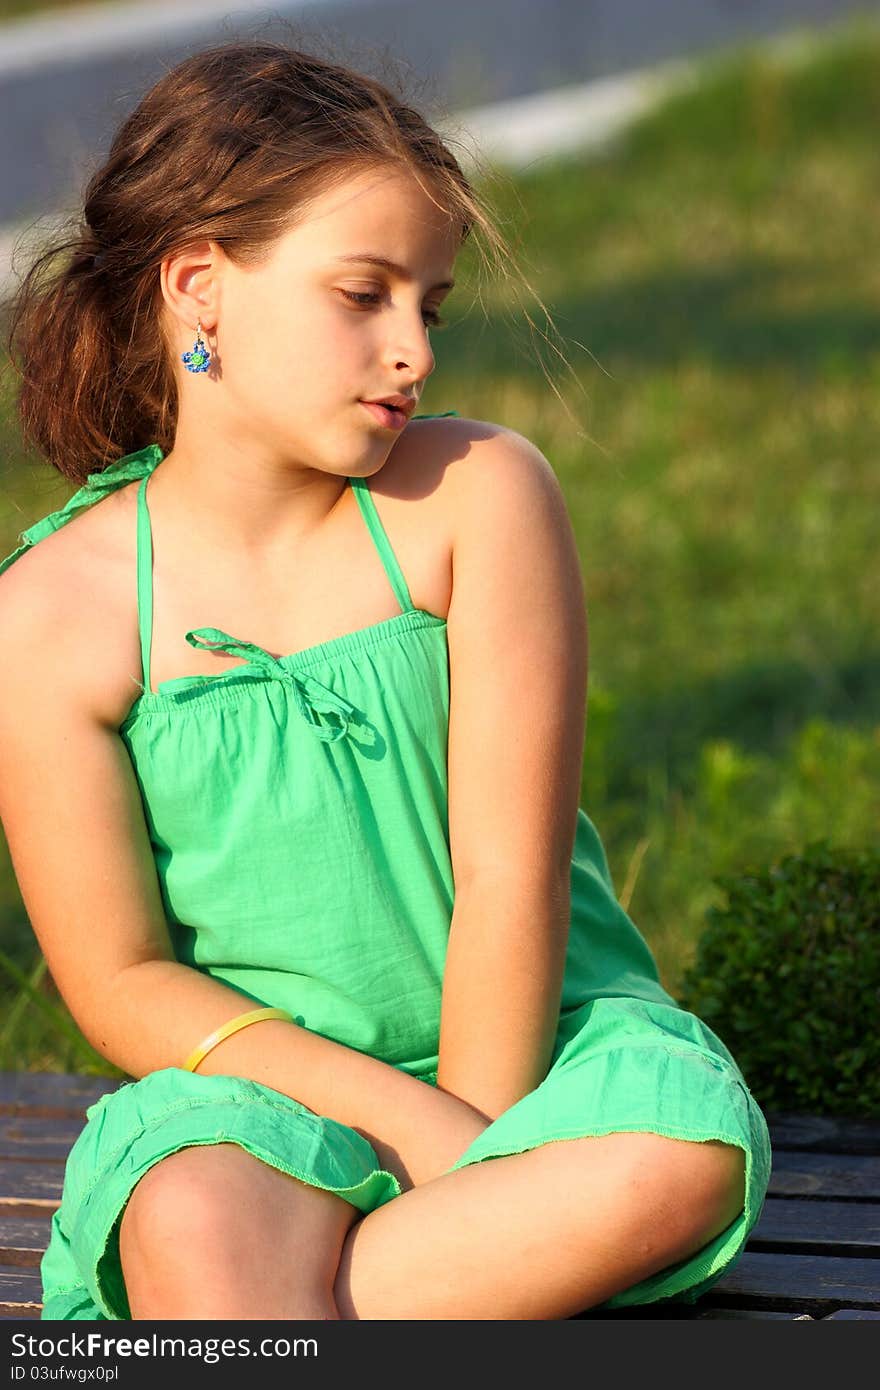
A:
(814, 1254)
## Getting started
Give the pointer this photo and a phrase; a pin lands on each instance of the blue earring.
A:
(198, 358)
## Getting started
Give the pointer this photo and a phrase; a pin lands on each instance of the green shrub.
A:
(788, 975)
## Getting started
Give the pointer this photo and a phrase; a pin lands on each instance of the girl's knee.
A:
(218, 1199)
(705, 1193)
(187, 1196)
(723, 1182)
(674, 1195)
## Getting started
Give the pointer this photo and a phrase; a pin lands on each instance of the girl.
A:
(346, 810)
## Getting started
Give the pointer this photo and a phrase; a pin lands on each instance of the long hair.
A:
(228, 146)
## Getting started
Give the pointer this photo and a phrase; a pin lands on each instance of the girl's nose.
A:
(413, 350)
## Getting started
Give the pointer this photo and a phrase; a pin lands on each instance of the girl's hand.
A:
(443, 1128)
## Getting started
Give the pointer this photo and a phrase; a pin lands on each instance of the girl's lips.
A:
(386, 415)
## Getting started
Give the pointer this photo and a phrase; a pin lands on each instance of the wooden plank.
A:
(824, 1175)
(752, 1313)
(818, 1227)
(850, 1315)
(669, 1311)
(30, 1189)
(21, 1293)
(23, 1239)
(51, 1093)
(824, 1133)
(37, 1137)
(805, 1283)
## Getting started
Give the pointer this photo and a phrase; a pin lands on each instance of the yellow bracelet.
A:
(242, 1021)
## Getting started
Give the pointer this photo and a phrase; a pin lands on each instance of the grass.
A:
(25, 9)
(715, 279)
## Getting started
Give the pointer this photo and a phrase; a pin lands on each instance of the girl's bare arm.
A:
(517, 631)
(154, 1013)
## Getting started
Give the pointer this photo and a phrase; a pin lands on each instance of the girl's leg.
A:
(543, 1234)
(213, 1232)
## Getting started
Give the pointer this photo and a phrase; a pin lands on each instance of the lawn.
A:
(25, 9)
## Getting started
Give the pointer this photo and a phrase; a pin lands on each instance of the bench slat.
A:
(20, 1292)
(824, 1133)
(818, 1227)
(753, 1313)
(849, 1314)
(27, 1189)
(23, 1239)
(683, 1312)
(808, 1283)
(36, 1137)
(51, 1093)
(824, 1175)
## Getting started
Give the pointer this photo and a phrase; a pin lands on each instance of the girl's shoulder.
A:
(116, 477)
(451, 478)
(447, 432)
(64, 589)
(446, 447)
(416, 487)
(480, 462)
(74, 543)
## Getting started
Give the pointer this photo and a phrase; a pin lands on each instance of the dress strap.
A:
(380, 538)
(144, 580)
(382, 543)
(97, 485)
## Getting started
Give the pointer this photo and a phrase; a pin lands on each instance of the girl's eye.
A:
(431, 316)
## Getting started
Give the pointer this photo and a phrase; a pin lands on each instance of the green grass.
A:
(23, 9)
(716, 280)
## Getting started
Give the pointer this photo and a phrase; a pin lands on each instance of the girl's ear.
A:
(189, 280)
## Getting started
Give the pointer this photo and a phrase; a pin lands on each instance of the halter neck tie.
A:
(312, 698)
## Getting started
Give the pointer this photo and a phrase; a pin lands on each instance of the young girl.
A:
(291, 734)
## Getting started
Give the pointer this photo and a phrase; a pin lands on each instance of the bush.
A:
(788, 975)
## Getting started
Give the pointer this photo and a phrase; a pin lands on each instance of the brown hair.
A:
(226, 146)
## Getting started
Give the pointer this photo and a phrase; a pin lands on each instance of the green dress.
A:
(297, 809)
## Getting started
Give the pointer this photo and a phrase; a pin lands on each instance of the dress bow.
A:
(312, 698)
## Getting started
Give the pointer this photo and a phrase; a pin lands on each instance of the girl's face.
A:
(304, 339)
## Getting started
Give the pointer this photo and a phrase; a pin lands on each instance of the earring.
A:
(198, 358)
